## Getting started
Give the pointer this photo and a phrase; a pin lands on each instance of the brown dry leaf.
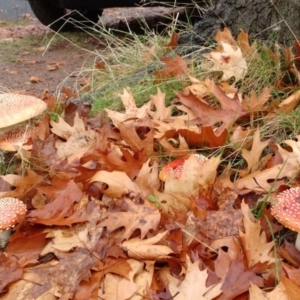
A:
(55, 278)
(143, 217)
(173, 125)
(293, 273)
(238, 278)
(132, 112)
(84, 235)
(119, 184)
(60, 211)
(243, 42)
(231, 109)
(279, 293)
(225, 36)
(288, 105)
(117, 287)
(20, 185)
(193, 286)
(120, 159)
(260, 180)
(198, 88)
(187, 139)
(253, 157)
(254, 103)
(77, 137)
(180, 148)
(173, 43)
(136, 142)
(145, 249)
(54, 66)
(292, 289)
(175, 67)
(241, 138)
(10, 270)
(144, 279)
(147, 179)
(35, 79)
(254, 240)
(229, 60)
(162, 112)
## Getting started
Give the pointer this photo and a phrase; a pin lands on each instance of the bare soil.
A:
(30, 64)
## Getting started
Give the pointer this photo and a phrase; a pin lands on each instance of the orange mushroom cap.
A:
(11, 140)
(287, 209)
(16, 108)
(11, 211)
(176, 166)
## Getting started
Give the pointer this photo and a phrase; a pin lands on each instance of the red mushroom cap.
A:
(287, 209)
(177, 166)
(11, 211)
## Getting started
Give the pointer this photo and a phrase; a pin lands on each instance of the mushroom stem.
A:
(4, 236)
(297, 243)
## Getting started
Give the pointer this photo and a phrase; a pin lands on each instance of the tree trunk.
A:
(275, 20)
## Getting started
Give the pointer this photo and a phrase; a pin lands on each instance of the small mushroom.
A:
(16, 109)
(12, 210)
(176, 166)
(287, 211)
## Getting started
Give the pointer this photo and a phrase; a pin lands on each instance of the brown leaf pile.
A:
(102, 225)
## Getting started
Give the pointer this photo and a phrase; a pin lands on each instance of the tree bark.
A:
(275, 20)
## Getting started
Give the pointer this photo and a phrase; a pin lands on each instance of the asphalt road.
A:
(13, 9)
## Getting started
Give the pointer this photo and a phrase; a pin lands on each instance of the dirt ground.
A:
(29, 66)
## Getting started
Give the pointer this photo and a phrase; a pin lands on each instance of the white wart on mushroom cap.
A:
(16, 108)
(287, 211)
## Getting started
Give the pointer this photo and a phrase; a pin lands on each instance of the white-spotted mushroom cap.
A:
(287, 209)
(13, 139)
(12, 210)
(176, 166)
(16, 108)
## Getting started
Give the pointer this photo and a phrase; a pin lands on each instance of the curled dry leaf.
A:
(147, 249)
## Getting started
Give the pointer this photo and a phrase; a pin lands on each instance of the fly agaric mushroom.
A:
(16, 109)
(16, 138)
(176, 166)
(287, 211)
(12, 210)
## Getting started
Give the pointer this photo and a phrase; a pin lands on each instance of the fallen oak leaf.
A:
(132, 112)
(260, 180)
(142, 217)
(231, 109)
(146, 249)
(175, 67)
(119, 184)
(279, 293)
(194, 285)
(229, 60)
(60, 211)
(253, 157)
(254, 240)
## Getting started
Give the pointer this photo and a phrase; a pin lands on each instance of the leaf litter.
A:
(102, 225)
